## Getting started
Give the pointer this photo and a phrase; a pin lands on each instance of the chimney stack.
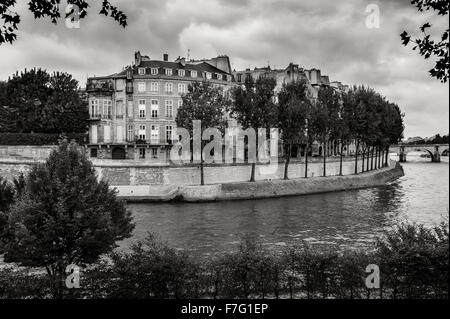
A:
(165, 57)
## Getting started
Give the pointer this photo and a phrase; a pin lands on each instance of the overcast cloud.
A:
(329, 35)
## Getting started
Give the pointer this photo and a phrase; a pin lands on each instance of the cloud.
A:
(328, 35)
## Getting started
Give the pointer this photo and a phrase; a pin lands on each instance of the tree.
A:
(64, 216)
(294, 108)
(428, 47)
(393, 119)
(205, 103)
(51, 9)
(325, 116)
(39, 102)
(254, 107)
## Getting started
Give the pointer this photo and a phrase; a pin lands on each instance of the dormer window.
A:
(168, 71)
(181, 73)
(154, 71)
(219, 76)
(194, 74)
(141, 71)
(208, 75)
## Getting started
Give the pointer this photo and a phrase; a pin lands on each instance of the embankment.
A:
(270, 188)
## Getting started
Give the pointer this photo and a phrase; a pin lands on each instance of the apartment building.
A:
(133, 112)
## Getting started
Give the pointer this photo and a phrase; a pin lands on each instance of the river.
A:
(351, 219)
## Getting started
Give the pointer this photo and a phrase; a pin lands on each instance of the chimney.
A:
(165, 57)
(137, 58)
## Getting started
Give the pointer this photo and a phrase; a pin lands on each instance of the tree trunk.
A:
(371, 159)
(387, 155)
(202, 175)
(286, 163)
(252, 176)
(340, 159)
(356, 157)
(363, 160)
(306, 160)
(368, 156)
(324, 159)
(381, 157)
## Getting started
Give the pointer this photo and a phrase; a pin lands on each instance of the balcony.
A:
(95, 117)
(104, 86)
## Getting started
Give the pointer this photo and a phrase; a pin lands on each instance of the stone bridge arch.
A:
(433, 150)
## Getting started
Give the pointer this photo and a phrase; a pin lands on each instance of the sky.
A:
(329, 35)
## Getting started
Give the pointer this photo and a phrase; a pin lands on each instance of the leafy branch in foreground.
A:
(427, 46)
(10, 19)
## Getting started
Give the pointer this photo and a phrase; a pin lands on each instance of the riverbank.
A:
(264, 189)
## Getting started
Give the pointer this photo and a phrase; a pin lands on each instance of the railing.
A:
(105, 86)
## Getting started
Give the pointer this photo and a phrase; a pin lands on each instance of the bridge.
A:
(434, 150)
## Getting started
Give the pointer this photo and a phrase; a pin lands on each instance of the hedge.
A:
(413, 263)
(40, 138)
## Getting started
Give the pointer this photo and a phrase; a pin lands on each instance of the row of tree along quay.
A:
(36, 107)
(61, 216)
(359, 115)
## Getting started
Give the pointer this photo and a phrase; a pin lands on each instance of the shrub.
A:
(64, 216)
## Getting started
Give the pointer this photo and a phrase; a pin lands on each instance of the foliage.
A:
(294, 110)
(64, 215)
(37, 101)
(427, 46)
(39, 138)
(205, 103)
(413, 263)
(254, 106)
(52, 9)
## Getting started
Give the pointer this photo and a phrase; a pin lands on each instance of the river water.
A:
(351, 219)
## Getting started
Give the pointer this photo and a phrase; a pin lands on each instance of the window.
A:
(141, 108)
(219, 76)
(154, 71)
(208, 75)
(154, 134)
(107, 109)
(169, 108)
(181, 88)
(142, 153)
(239, 77)
(168, 71)
(141, 87)
(169, 88)
(181, 73)
(130, 109)
(180, 103)
(119, 109)
(130, 132)
(142, 132)
(169, 134)
(94, 108)
(141, 71)
(194, 74)
(94, 152)
(154, 152)
(154, 87)
(154, 108)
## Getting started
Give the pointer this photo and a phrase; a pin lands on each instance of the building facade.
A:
(314, 81)
(133, 112)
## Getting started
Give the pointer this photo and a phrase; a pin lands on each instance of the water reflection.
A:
(342, 219)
